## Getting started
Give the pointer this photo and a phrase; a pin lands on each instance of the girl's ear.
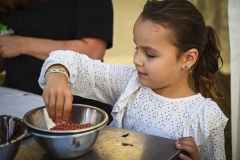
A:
(189, 58)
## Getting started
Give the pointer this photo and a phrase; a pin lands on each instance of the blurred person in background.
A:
(31, 29)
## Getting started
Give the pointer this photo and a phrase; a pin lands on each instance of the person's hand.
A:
(11, 46)
(188, 145)
(58, 97)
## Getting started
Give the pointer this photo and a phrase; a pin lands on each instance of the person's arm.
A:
(87, 78)
(13, 46)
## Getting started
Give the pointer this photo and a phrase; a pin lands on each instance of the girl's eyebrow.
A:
(149, 49)
(146, 47)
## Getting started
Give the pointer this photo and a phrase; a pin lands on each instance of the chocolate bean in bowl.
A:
(12, 131)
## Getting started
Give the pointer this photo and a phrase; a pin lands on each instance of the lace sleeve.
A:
(214, 146)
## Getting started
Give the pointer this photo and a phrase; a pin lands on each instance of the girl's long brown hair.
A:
(188, 30)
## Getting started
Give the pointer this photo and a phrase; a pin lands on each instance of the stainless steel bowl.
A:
(12, 131)
(66, 146)
(70, 143)
(38, 119)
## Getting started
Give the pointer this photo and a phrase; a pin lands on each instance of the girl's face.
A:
(156, 59)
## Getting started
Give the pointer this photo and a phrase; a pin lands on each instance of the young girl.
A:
(154, 97)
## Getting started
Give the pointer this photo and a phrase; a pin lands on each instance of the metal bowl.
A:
(66, 146)
(71, 143)
(12, 131)
(38, 119)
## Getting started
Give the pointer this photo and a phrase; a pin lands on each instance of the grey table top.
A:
(112, 144)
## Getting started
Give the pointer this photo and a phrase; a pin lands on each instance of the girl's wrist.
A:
(57, 69)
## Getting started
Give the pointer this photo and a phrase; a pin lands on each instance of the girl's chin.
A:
(143, 83)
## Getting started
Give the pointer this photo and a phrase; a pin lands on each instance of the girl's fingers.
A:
(188, 145)
(67, 107)
(59, 108)
(46, 100)
(184, 157)
(52, 107)
(186, 140)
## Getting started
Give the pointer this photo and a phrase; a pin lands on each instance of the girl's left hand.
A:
(188, 145)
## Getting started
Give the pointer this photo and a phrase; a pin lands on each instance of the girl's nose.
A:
(137, 59)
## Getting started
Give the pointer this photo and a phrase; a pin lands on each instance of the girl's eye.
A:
(149, 55)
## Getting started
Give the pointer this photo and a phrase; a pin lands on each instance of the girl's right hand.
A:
(58, 97)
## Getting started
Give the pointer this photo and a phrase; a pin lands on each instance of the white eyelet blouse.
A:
(138, 108)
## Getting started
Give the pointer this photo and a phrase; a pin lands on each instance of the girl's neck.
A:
(169, 92)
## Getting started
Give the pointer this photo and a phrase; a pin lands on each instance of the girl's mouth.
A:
(140, 74)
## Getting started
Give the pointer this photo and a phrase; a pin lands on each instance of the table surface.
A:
(16, 102)
(112, 143)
